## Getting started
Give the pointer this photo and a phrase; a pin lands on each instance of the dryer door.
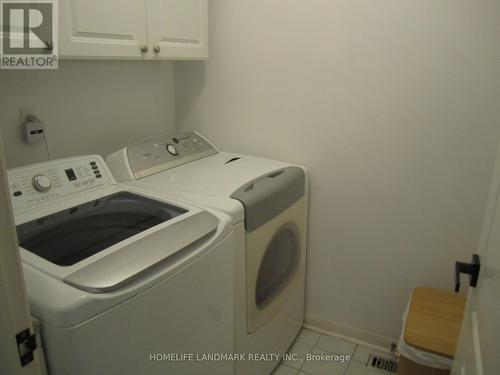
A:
(275, 261)
(278, 265)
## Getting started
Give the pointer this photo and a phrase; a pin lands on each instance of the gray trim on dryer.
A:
(267, 196)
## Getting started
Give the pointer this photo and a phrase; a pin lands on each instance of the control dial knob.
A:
(41, 183)
(172, 150)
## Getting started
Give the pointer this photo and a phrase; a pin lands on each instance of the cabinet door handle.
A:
(472, 269)
(144, 49)
(157, 49)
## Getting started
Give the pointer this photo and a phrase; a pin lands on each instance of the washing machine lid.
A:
(74, 234)
(167, 245)
(98, 245)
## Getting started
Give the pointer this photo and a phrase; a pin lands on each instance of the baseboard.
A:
(358, 336)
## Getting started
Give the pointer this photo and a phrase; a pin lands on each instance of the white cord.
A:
(45, 137)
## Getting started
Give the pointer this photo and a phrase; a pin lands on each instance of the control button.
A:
(98, 176)
(172, 150)
(18, 193)
(97, 172)
(93, 163)
(41, 183)
(95, 167)
(176, 140)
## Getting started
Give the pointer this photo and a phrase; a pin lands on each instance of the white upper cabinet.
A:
(97, 28)
(178, 28)
(133, 29)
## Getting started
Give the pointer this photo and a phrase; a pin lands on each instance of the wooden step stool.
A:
(432, 325)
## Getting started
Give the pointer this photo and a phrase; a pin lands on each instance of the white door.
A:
(105, 29)
(178, 28)
(14, 310)
(477, 351)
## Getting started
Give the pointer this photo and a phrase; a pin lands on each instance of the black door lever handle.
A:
(472, 269)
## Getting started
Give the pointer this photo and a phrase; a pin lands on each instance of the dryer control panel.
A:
(165, 152)
(37, 184)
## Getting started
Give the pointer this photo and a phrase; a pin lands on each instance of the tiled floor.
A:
(315, 343)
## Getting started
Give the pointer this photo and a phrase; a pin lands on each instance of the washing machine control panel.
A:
(165, 152)
(38, 184)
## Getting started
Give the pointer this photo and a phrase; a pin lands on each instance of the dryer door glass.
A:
(69, 236)
(279, 265)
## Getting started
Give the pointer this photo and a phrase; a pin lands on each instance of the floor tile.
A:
(335, 345)
(284, 370)
(357, 368)
(301, 349)
(308, 336)
(362, 354)
(327, 367)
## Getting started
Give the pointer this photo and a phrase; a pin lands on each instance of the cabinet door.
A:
(102, 29)
(178, 29)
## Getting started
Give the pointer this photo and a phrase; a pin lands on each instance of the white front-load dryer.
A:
(268, 202)
(122, 280)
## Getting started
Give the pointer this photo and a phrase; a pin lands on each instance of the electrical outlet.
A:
(33, 131)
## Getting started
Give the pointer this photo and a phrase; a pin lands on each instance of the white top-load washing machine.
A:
(268, 202)
(122, 280)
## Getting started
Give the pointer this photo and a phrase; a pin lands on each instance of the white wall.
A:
(394, 107)
(87, 107)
